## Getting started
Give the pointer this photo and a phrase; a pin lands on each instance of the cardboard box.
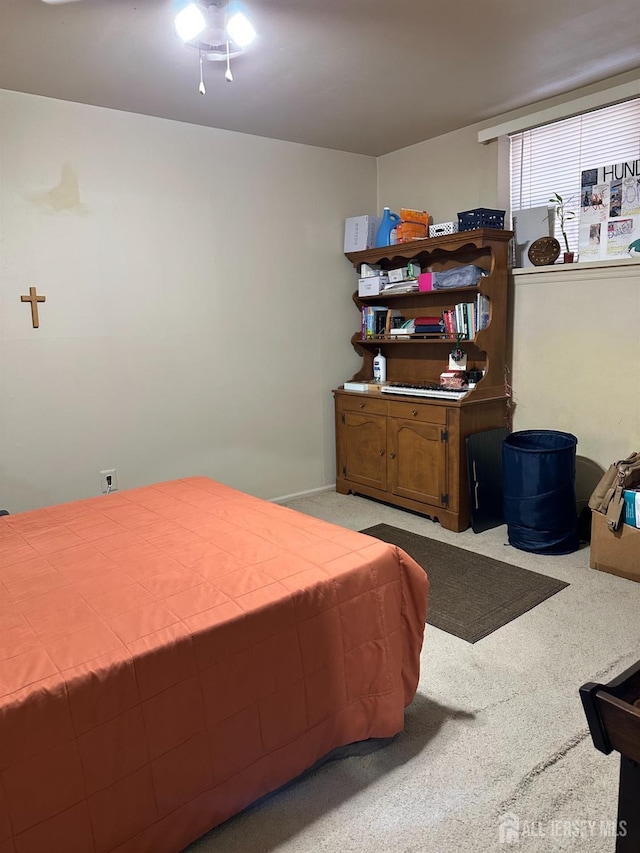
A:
(616, 552)
(360, 233)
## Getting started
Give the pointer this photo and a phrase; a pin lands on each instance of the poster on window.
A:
(609, 225)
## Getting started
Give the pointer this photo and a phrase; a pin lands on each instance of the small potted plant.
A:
(564, 215)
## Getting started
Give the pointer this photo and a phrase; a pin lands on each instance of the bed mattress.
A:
(172, 653)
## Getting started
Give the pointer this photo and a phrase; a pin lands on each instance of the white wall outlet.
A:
(108, 481)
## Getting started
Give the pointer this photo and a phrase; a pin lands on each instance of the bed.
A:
(172, 653)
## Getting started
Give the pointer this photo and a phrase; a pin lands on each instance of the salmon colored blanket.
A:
(172, 653)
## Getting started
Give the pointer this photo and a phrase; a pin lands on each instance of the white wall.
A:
(443, 176)
(198, 305)
(576, 359)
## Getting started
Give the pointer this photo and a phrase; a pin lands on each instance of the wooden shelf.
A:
(479, 238)
(411, 339)
(420, 294)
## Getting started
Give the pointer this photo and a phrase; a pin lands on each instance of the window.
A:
(550, 159)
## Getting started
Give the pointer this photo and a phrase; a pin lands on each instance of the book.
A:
(447, 317)
(632, 507)
(363, 386)
(482, 311)
(428, 328)
(427, 321)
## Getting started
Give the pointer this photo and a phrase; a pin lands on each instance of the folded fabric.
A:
(464, 276)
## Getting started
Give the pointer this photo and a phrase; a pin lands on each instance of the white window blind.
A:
(551, 158)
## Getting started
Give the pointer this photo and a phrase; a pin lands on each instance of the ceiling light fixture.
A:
(217, 30)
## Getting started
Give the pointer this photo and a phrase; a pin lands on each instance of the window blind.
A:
(551, 158)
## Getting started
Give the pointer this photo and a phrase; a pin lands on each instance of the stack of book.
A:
(374, 318)
(428, 325)
(466, 319)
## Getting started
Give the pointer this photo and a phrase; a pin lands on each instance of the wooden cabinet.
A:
(418, 459)
(411, 451)
(364, 433)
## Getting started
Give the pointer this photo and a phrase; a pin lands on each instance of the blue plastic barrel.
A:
(539, 476)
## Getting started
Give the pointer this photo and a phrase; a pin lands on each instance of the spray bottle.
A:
(379, 368)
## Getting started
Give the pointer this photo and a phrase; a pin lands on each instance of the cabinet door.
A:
(418, 461)
(365, 449)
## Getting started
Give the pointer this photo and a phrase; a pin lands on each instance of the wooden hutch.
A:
(411, 451)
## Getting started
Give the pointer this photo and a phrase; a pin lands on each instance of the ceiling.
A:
(366, 76)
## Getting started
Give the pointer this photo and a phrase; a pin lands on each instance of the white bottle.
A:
(379, 368)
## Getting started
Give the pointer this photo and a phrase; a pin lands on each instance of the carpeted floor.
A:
(496, 727)
(470, 595)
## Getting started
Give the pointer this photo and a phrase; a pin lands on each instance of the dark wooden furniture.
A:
(410, 451)
(613, 714)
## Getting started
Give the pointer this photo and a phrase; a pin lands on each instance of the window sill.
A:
(579, 266)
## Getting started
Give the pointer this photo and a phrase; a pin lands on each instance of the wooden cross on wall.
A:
(34, 299)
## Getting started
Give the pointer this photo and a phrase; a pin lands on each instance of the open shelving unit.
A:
(411, 451)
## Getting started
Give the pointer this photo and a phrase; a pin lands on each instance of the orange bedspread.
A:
(170, 654)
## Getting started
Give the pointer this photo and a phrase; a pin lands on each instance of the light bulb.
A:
(190, 22)
(240, 30)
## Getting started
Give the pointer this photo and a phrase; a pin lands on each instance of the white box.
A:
(442, 228)
(367, 270)
(399, 274)
(360, 232)
(372, 285)
(528, 225)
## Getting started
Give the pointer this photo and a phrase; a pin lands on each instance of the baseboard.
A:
(329, 488)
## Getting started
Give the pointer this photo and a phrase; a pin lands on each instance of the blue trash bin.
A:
(539, 475)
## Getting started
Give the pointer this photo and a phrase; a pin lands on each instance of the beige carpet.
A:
(496, 727)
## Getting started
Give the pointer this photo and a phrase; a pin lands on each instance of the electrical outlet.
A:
(108, 477)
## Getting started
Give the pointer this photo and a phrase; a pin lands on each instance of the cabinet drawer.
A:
(418, 412)
(361, 403)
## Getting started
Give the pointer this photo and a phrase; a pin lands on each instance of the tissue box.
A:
(360, 233)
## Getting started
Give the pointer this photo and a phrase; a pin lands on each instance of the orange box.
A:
(419, 217)
(414, 225)
(407, 231)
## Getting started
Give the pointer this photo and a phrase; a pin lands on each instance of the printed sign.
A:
(610, 212)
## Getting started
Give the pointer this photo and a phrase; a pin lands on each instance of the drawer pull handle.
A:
(362, 405)
(393, 455)
(414, 413)
(381, 452)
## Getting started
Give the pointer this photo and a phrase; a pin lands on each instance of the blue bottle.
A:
(388, 223)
